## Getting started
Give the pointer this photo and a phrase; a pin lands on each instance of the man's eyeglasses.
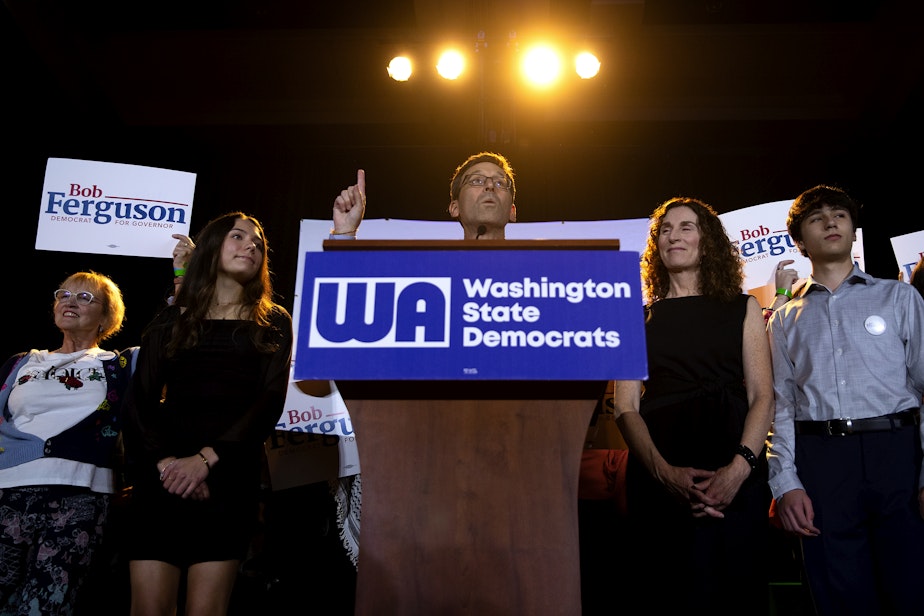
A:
(84, 298)
(480, 180)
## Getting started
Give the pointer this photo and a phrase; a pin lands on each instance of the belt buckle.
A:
(848, 427)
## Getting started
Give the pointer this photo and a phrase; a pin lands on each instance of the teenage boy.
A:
(845, 455)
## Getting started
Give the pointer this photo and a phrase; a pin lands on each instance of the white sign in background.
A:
(908, 249)
(113, 208)
(314, 440)
(760, 233)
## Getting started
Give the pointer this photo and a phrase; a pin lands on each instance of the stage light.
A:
(399, 68)
(541, 65)
(586, 65)
(500, 69)
(450, 65)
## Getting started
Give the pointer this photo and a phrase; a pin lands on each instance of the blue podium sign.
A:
(505, 314)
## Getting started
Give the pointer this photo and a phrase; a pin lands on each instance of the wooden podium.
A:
(469, 487)
(470, 495)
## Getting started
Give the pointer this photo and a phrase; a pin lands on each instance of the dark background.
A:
(274, 104)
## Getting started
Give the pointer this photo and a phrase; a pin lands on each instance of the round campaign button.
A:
(875, 325)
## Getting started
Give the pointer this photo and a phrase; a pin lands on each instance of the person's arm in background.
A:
(349, 209)
(917, 281)
(917, 276)
(181, 254)
(784, 278)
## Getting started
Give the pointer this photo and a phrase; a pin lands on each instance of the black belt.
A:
(843, 427)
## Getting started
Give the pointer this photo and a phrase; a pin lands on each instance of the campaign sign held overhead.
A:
(505, 314)
(113, 208)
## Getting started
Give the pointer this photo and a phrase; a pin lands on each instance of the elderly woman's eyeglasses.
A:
(84, 298)
(480, 180)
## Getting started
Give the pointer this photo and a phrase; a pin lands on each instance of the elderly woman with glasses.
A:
(59, 439)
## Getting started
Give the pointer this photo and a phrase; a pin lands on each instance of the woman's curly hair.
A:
(721, 270)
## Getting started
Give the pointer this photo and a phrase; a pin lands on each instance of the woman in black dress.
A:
(208, 390)
(697, 493)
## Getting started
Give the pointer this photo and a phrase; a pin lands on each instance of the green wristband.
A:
(179, 271)
(786, 292)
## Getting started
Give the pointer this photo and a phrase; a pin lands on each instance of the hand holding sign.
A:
(182, 252)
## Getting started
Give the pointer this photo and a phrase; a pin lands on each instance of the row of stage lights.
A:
(540, 64)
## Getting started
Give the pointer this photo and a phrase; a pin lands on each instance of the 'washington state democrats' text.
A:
(573, 292)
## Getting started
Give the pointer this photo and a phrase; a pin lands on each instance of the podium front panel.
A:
(472, 315)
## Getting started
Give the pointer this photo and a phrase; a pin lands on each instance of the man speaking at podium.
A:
(481, 193)
(482, 197)
(414, 549)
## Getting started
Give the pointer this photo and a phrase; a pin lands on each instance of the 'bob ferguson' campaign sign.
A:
(505, 314)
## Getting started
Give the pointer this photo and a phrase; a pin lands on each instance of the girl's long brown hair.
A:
(198, 289)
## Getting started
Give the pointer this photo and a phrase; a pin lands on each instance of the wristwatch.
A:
(748, 455)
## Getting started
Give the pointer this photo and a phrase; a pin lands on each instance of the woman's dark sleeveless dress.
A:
(695, 404)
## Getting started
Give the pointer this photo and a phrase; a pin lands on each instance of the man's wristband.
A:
(342, 235)
(784, 291)
(748, 455)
